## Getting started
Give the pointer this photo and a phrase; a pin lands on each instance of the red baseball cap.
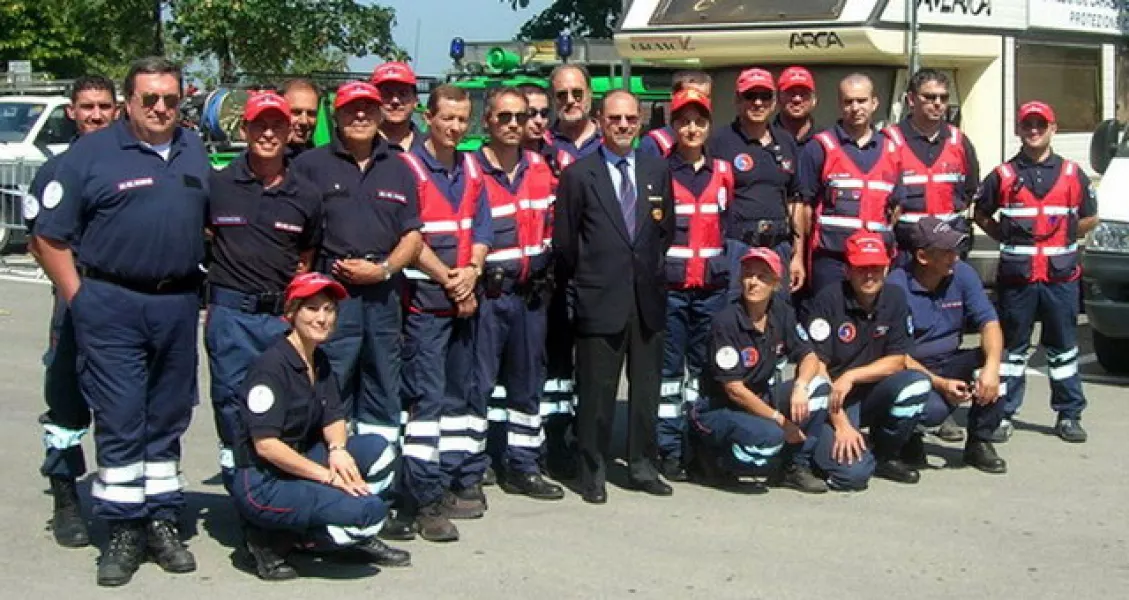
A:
(264, 102)
(393, 72)
(753, 79)
(356, 90)
(687, 97)
(308, 285)
(1035, 107)
(866, 249)
(767, 256)
(796, 77)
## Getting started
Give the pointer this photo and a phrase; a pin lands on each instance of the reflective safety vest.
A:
(853, 199)
(522, 239)
(448, 233)
(696, 256)
(663, 139)
(561, 155)
(936, 190)
(1039, 236)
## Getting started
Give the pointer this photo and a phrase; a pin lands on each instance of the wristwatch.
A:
(387, 270)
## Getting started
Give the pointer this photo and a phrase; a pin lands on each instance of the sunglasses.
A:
(150, 100)
(539, 112)
(935, 97)
(754, 95)
(507, 117)
(631, 119)
(298, 112)
(577, 95)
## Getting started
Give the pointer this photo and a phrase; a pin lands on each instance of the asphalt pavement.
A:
(1055, 526)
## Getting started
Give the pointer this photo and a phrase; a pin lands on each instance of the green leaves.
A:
(582, 18)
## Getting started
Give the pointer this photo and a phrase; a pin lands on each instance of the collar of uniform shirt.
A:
(380, 148)
(126, 139)
(747, 323)
(916, 287)
(677, 162)
(435, 166)
(500, 175)
(736, 126)
(845, 138)
(909, 130)
(243, 174)
(851, 303)
(556, 135)
(778, 123)
(1052, 161)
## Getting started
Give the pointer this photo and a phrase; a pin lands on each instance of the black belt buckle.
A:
(495, 277)
(270, 302)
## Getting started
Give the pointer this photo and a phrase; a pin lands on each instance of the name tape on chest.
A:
(132, 184)
(287, 227)
(391, 196)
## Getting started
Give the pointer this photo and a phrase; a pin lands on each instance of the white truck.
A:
(32, 129)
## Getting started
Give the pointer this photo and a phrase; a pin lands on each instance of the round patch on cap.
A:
(260, 399)
(727, 358)
(820, 330)
(52, 195)
(743, 162)
(30, 206)
(847, 332)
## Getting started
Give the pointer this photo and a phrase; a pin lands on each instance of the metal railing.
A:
(15, 179)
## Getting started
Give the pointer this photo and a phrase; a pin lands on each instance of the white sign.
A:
(1091, 16)
(22, 67)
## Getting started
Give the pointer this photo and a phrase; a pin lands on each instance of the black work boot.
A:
(269, 563)
(673, 470)
(532, 485)
(894, 469)
(434, 526)
(384, 555)
(67, 523)
(166, 548)
(801, 479)
(982, 455)
(913, 452)
(124, 553)
(400, 527)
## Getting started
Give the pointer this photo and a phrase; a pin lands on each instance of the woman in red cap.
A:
(299, 477)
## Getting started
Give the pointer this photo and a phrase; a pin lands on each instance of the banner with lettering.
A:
(1091, 16)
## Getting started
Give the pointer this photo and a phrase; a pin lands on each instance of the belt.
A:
(168, 285)
(270, 303)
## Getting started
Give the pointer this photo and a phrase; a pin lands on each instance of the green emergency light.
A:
(502, 60)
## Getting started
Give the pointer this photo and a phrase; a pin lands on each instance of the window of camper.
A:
(700, 12)
(1069, 78)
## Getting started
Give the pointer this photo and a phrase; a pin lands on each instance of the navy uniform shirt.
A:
(560, 142)
(695, 181)
(32, 202)
(738, 352)
(366, 212)
(452, 184)
(648, 145)
(928, 150)
(259, 234)
(500, 176)
(846, 336)
(810, 173)
(800, 143)
(1039, 178)
(134, 215)
(278, 400)
(764, 178)
(418, 138)
(939, 316)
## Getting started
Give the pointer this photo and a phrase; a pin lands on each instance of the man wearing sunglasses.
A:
(660, 142)
(511, 327)
(397, 84)
(1046, 203)
(132, 199)
(302, 96)
(67, 418)
(573, 131)
(796, 97)
(764, 167)
(848, 180)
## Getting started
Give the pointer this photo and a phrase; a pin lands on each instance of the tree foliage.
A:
(582, 18)
(276, 36)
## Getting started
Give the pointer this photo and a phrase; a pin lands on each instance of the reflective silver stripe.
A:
(496, 415)
(846, 184)
(461, 444)
(1021, 211)
(685, 209)
(538, 204)
(61, 438)
(463, 423)
(915, 179)
(523, 419)
(1033, 250)
(670, 388)
(846, 222)
(227, 458)
(880, 185)
(415, 274)
(915, 217)
(413, 162)
(446, 226)
(534, 250)
(710, 208)
(504, 210)
(1020, 250)
(120, 494)
(562, 386)
(670, 411)
(503, 255)
(948, 178)
(391, 433)
(126, 474)
(160, 470)
(422, 452)
(383, 461)
(519, 440)
(348, 536)
(166, 485)
(423, 429)
(686, 252)
(1059, 250)
(1059, 210)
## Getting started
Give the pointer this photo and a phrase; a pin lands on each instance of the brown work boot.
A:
(434, 526)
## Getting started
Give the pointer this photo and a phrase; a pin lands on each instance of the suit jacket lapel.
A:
(607, 196)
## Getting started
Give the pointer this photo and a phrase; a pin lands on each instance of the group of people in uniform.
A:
(393, 324)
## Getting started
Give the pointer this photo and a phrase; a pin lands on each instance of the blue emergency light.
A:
(458, 49)
(564, 46)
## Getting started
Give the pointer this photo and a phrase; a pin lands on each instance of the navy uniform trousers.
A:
(962, 365)
(68, 418)
(318, 512)
(137, 370)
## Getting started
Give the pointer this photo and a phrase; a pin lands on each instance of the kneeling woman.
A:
(298, 473)
(749, 422)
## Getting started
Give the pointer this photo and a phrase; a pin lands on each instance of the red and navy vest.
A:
(936, 190)
(696, 256)
(448, 233)
(521, 220)
(663, 139)
(1039, 235)
(853, 199)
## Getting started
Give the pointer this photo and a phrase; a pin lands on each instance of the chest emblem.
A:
(881, 331)
(750, 356)
(743, 162)
(847, 332)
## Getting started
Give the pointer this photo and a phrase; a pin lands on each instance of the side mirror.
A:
(1103, 146)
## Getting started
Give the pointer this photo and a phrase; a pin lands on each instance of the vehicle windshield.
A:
(17, 119)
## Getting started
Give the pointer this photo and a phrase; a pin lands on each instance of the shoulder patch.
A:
(803, 335)
(260, 399)
(52, 195)
(909, 324)
(726, 358)
(820, 330)
(30, 207)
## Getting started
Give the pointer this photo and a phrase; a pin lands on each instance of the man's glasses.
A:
(150, 100)
(754, 95)
(577, 95)
(631, 119)
(507, 117)
(298, 112)
(539, 112)
(935, 97)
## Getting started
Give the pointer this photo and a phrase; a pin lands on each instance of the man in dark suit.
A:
(614, 223)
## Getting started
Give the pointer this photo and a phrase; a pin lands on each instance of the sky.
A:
(441, 20)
